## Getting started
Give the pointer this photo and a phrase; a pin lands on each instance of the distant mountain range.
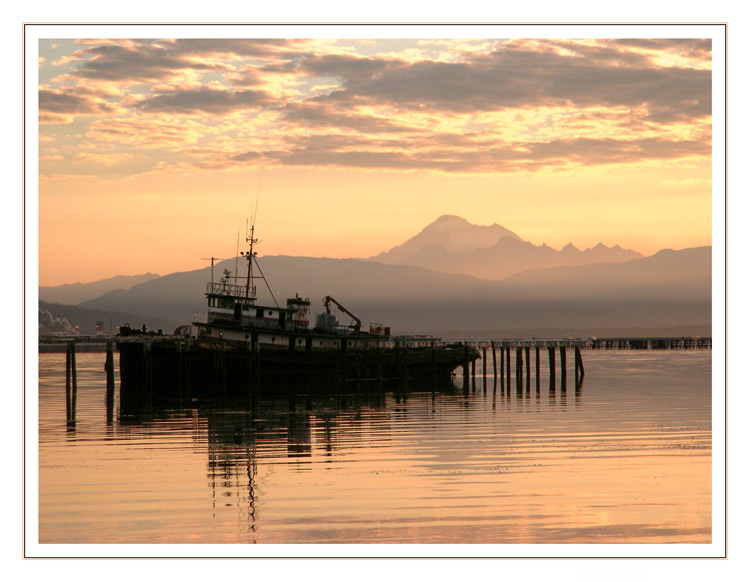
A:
(75, 293)
(668, 293)
(453, 245)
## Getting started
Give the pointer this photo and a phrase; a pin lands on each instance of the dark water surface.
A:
(627, 459)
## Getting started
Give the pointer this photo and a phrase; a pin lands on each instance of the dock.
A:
(158, 368)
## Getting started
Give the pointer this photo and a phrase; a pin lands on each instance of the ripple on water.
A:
(627, 459)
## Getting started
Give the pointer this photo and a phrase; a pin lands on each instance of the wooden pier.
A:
(172, 367)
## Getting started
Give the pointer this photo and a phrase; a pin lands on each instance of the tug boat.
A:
(240, 346)
(235, 318)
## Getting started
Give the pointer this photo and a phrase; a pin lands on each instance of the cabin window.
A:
(270, 313)
(259, 312)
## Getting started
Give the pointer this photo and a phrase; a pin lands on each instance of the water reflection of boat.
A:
(240, 343)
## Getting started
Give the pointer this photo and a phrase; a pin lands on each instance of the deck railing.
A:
(227, 289)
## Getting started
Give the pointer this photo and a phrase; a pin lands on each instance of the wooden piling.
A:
(466, 368)
(563, 370)
(109, 367)
(528, 368)
(71, 383)
(148, 376)
(519, 369)
(579, 368)
(405, 368)
(74, 375)
(507, 366)
(186, 376)
(223, 369)
(179, 369)
(502, 369)
(249, 373)
(68, 383)
(380, 368)
(484, 368)
(473, 375)
(434, 366)
(494, 367)
(256, 366)
(551, 351)
(580, 362)
(536, 351)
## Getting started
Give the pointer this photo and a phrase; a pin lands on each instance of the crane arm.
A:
(328, 300)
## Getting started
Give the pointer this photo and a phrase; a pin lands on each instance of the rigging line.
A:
(262, 276)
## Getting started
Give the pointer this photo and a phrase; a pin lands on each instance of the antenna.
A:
(255, 213)
(212, 259)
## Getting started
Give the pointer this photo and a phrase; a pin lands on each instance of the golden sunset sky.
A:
(153, 152)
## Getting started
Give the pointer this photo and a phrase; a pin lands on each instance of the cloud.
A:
(138, 62)
(146, 133)
(103, 158)
(149, 61)
(522, 76)
(490, 106)
(59, 106)
(204, 100)
(314, 115)
(468, 154)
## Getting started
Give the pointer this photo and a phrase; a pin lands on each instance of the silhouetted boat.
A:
(240, 342)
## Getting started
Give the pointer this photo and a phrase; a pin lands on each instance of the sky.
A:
(155, 152)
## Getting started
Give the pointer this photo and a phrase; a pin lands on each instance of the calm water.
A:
(627, 459)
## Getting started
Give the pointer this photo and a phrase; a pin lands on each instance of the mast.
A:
(249, 255)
